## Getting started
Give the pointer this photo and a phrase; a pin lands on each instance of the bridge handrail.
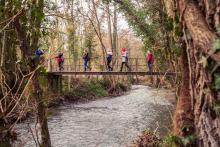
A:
(96, 63)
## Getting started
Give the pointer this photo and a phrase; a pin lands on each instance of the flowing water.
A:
(109, 122)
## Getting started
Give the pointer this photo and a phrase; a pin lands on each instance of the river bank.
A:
(111, 122)
(81, 91)
(85, 90)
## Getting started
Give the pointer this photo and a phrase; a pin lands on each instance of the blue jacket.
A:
(38, 53)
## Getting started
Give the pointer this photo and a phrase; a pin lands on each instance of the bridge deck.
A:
(141, 73)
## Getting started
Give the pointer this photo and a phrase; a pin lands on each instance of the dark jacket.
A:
(86, 56)
(109, 57)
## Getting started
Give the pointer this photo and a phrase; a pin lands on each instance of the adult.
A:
(37, 56)
(86, 59)
(150, 61)
(38, 53)
(124, 59)
(109, 59)
(60, 60)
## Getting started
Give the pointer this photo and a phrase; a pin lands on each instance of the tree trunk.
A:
(109, 27)
(183, 117)
(200, 35)
(198, 97)
(41, 111)
(98, 29)
(114, 36)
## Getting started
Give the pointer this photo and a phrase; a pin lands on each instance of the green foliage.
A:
(176, 48)
(43, 81)
(189, 141)
(5, 144)
(214, 109)
(177, 31)
(73, 40)
(37, 13)
(106, 1)
(216, 45)
(137, 19)
(169, 24)
(175, 141)
(16, 5)
(154, 27)
(217, 82)
(89, 42)
(96, 88)
(43, 70)
(88, 89)
(171, 140)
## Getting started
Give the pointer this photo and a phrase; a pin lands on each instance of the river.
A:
(108, 122)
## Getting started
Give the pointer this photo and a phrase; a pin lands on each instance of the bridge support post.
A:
(55, 83)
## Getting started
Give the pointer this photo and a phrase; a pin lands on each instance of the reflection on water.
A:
(108, 122)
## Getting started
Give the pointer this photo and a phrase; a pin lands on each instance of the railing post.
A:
(79, 65)
(136, 64)
(49, 68)
(74, 65)
(136, 68)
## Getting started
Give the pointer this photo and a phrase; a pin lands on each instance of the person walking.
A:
(86, 59)
(60, 60)
(150, 61)
(124, 59)
(38, 53)
(109, 59)
(37, 56)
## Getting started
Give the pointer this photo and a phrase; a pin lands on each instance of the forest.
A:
(183, 36)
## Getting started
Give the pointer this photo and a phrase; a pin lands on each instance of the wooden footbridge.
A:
(138, 68)
(139, 73)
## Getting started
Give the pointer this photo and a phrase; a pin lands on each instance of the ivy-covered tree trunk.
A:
(200, 21)
(27, 47)
(37, 91)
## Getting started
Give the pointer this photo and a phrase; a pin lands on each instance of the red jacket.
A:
(150, 58)
(59, 57)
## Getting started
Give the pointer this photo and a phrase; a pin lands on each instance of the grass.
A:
(90, 89)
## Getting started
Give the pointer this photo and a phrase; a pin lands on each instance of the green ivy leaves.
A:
(216, 45)
(217, 82)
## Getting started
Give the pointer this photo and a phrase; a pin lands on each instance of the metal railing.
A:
(97, 64)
